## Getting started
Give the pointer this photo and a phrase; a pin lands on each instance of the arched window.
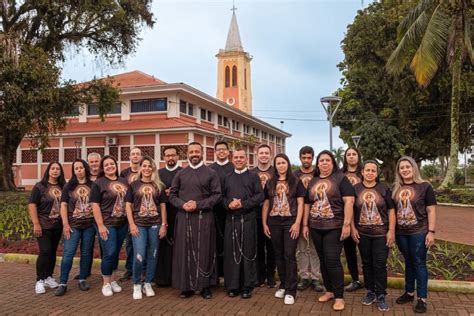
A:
(234, 76)
(227, 76)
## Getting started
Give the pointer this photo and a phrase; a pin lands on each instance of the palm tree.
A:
(339, 155)
(439, 31)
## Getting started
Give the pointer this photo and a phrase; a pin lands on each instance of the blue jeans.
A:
(129, 250)
(414, 251)
(145, 247)
(86, 237)
(111, 248)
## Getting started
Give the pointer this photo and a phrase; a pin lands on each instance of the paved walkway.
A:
(455, 224)
(17, 297)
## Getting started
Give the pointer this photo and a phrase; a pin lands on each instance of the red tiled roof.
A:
(119, 125)
(131, 79)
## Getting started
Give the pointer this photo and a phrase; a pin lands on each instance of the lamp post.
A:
(330, 105)
(77, 144)
(281, 124)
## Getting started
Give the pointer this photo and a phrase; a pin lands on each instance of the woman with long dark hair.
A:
(373, 229)
(146, 213)
(415, 204)
(44, 208)
(281, 217)
(108, 204)
(78, 224)
(328, 213)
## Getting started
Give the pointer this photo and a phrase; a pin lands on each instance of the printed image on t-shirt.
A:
(119, 205)
(264, 177)
(83, 207)
(369, 213)
(281, 206)
(305, 178)
(132, 177)
(55, 194)
(405, 214)
(148, 206)
(353, 178)
(321, 206)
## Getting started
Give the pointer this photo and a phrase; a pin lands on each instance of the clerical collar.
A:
(222, 163)
(240, 171)
(196, 166)
(172, 169)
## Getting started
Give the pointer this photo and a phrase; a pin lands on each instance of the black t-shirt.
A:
(129, 175)
(411, 201)
(79, 207)
(110, 195)
(146, 200)
(325, 198)
(353, 177)
(48, 204)
(304, 176)
(264, 175)
(371, 209)
(283, 198)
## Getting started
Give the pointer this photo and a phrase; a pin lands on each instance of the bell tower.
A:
(233, 71)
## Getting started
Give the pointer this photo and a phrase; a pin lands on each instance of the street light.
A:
(356, 140)
(330, 105)
(77, 143)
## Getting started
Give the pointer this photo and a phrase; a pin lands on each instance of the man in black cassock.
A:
(194, 192)
(242, 195)
(165, 253)
(223, 167)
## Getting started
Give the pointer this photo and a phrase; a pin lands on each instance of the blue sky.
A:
(295, 46)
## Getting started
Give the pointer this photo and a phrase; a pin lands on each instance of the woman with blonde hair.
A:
(146, 213)
(416, 220)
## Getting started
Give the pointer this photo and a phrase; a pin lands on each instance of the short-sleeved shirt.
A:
(324, 195)
(283, 199)
(79, 206)
(305, 177)
(48, 204)
(110, 195)
(411, 201)
(146, 200)
(264, 175)
(353, 177)
(371, 209)
(129, 175)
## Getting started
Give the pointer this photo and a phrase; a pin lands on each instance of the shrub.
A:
(15, 223)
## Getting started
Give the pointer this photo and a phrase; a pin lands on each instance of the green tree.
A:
(393, 115)
(433, 32)
(34, 36)
(339, 155)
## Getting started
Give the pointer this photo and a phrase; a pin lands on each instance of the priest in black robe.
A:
(194, 192)
(242, 195)
(165, 253)
(223, 167)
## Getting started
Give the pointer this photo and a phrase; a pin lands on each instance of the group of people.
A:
(189, 227)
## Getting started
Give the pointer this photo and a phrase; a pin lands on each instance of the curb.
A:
(457, 205)
(392, 282)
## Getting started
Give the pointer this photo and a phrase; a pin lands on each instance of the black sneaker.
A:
(317, 286)
(271, 281)
(186, 294)
(303, 284)
(233, 293)
(83, 286)
(62, 288)
(420, 306)
(353, 286)
(405, 298)
(247, 293)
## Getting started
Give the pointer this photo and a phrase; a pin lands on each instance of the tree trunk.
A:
(9, 141)
(455, 100)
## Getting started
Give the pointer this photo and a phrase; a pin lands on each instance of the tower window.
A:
(227, 76)
(234, 76)
(245, 78)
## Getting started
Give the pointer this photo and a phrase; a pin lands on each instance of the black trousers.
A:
(220, 218)
(265, 255)
(374, 254)
(48, 244)
(329, 247)
(285, 252)
(350, 250)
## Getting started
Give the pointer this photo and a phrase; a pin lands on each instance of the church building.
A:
(153, 114)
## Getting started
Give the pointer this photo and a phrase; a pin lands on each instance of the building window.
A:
(234, 76)
(272, 138)
(113, 151)
(209, 116)
(245, 78)
(226, 122)
(278, 140)
(190, 109)
(183, 108)
(182, 151)
(75, 111)
(148, 151)
(100, 151)
(235, 125)
(92, 109)
(219, 120)
(149, 105)
(227, 76)
(203, 114)
(51, 155)
(70, 154)
(264, 135)
(209, 154)
(29, 156)
(124, 153)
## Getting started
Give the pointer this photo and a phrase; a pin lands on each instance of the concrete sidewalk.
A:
(17, 297)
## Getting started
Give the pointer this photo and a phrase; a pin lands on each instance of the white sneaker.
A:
(280, 293)
(39, 287)
(115, 287)
(107, 290)
(289, 300)
(51, 283)
(148, 290)
(137, 291)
